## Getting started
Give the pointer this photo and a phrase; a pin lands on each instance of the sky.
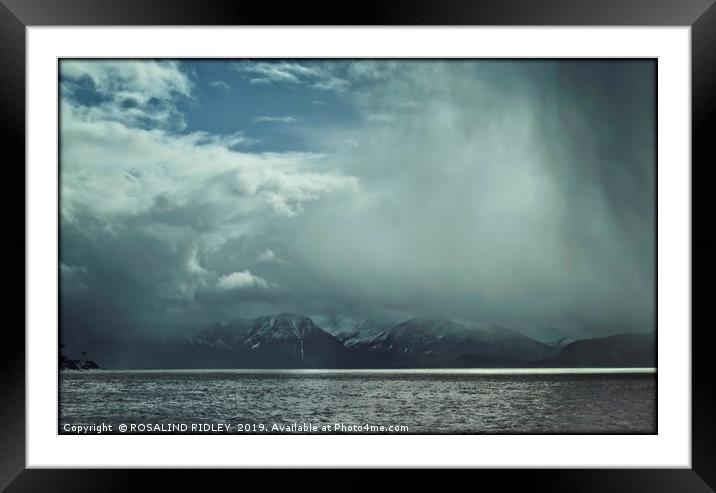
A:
(513, 192)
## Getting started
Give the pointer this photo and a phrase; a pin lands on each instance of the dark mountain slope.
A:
(633, 350)
(438, 342)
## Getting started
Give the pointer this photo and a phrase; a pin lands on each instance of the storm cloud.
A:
(516, 192)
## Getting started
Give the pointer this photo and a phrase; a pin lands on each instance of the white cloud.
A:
(230, 140)
(109, 168)
(241, 280)
(285, 72)
(220, 84)
(186, 193)
(331, 84)
(373, 70)
(137, 93)
(321, 77)
(275, 119)
(268, 256)
(71, 270)
(144, 79)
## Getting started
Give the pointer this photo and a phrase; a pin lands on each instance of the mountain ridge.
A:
(290, 340)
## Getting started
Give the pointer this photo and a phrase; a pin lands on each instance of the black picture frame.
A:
(16, 15)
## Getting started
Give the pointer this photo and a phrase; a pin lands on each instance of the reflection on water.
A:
(427, 401)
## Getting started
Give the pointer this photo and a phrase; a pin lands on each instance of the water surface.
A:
(521, 401)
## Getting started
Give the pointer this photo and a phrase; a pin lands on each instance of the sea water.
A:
(524, 401)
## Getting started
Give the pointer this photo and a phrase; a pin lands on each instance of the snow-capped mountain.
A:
(291, 340)
(279, 341)
(429, 342)
(364, 332)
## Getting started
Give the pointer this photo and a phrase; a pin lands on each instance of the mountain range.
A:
(291, 340)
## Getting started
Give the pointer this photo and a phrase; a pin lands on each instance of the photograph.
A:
(368, 246)
(457, 236)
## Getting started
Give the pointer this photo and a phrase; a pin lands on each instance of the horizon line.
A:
(543, 371)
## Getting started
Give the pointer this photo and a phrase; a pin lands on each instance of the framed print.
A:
(422, 238)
